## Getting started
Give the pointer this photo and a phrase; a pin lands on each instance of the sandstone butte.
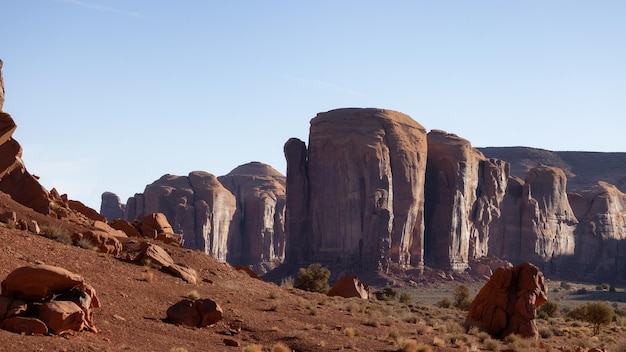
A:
(373, 191)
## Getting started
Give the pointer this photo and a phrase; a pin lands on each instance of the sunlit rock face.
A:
(464, 191)
(197, 206)
(257, 235)
(355, 195)
(601, 234)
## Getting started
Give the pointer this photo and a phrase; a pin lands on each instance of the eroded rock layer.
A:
(363, 182)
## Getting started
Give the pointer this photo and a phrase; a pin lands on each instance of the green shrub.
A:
(405, 298)
(314, 278)
(565, 285)
(547, 310)
(462, 297)
(595, 313)
(444, 303)
(386, 294)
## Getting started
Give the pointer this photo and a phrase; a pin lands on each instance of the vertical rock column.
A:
(362, 179)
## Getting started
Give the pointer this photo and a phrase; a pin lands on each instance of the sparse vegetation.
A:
(595, 313)
(57, 233)
(386, 294)
(549, 309)
(280, 347)
(85, 243)
(193, 295)
(405, 298)
(253, 348)
(462, 297)
(314, 278)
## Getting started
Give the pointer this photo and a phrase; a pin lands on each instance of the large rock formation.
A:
(601, 234)
(463, 195)
(537, 223)
(356, 195)
(14, 179)
(257, 235)
(197, 205)
(111, 206)
(507, 303)
(1, 87)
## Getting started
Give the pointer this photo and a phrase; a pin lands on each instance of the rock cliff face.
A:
(356, 194)
(111, 206)
(537, 222)
(463, 195)
(197, 205)
(14, 179)
(257, 235)
(601, 234)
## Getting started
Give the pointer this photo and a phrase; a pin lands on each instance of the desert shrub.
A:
(595, 313)
(582, 291)
(314, 278)
(612, 289)
(287, 282)
(386, 294)
(407, 345)
(193, 295)
(462, 297)
(280, 347)
(547, 310)
(565, 285)
(85, 243)
(57, 233)
(405, 298)
(444, 303)
(253, 348)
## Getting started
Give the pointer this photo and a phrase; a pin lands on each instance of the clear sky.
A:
(109, 95)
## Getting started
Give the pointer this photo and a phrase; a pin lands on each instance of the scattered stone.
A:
(196, 313)
(349, 286)
(24, 325)
(231, 342)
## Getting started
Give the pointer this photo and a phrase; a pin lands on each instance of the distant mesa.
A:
(374, 191)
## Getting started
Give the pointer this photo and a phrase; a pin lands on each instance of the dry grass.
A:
(281, 347)
(253, 348)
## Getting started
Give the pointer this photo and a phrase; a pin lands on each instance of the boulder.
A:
(38, 283)
(24, 325)
(188, 274)
(349, 286)
(61, 316)
(151, 254)
(257, 235)
(198, 313)
(123, 225)
(247, 270)
(104, 241)
(184, 313)
(507, 303)
(85, 210)
(354, 209)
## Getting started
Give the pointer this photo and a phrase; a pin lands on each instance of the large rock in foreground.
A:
(357, 190)
(508, 301)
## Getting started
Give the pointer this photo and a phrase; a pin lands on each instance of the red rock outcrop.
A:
(43, 298)
(601, 234)
(14, 179)
(257, 234)
(196, 313)
(363, 175)
(463, 195)
(197, 205)
(349, 286)
(508, 301)
(1, 87)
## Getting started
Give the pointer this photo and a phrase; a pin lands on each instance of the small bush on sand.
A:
(253, 348)
(280, 347)
(314, 278)
(550, 309)
(386, 294)
(405, 298)
(462, 297)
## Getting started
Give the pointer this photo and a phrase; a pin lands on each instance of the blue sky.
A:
(109, 95)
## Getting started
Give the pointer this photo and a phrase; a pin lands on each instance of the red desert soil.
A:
(135, 298)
